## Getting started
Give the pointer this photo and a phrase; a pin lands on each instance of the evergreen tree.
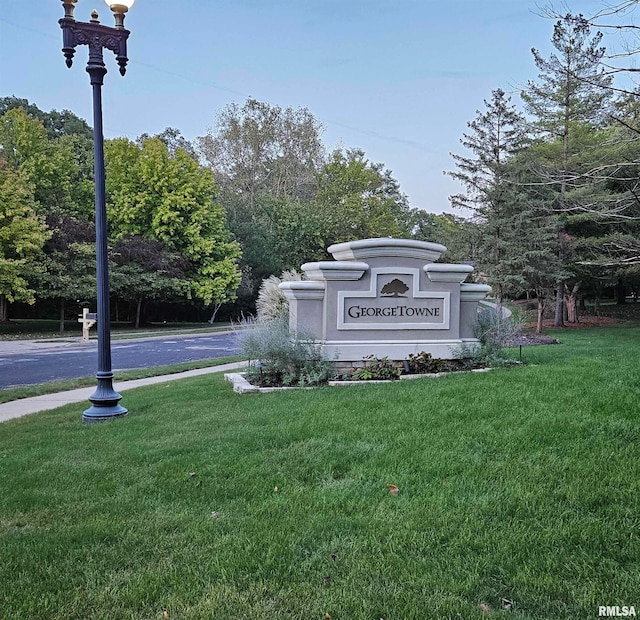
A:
(571, 92)
(496, 135)
(605, 224)
(535, 265)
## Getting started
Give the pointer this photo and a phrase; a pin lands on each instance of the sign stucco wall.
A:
(385, 297)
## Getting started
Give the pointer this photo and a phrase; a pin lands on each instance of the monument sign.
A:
(385, 297)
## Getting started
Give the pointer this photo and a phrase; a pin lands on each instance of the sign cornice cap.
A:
(386, 247)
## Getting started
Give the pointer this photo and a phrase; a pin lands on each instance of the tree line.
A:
(168, 238)
(194, 224)
(552, 187)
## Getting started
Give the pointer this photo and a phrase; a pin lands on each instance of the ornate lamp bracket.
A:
(96, 36)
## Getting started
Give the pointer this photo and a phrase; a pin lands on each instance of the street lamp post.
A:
(105, 401)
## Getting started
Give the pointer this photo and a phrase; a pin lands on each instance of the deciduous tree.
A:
(258, 148)
(22, 236)
(461, 236)
(144, 269)
(57, 168)
(358, 199)
(69, 262)
(170, 199)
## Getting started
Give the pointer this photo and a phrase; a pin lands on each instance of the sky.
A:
(399, 79)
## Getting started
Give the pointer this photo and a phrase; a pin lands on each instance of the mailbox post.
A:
(88, 320)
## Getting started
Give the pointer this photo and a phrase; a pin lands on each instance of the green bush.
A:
(495, 331)
(376, 368)
(423, 363)
(278, 357)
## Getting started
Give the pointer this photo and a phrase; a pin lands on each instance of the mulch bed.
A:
(530, 338)
(533, 339)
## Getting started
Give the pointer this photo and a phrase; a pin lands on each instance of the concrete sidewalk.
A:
(25, 406)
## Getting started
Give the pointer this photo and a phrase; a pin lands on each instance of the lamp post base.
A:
(105, 403)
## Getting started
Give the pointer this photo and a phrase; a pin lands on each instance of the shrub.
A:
(423, 363)
(278, 357)
(495, 330)
(375, 368)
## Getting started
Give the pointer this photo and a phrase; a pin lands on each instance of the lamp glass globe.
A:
(126, 3)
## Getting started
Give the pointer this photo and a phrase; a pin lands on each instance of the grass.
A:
(51, 387)
(521, 483)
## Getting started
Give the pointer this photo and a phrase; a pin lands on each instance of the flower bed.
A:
(243, 385)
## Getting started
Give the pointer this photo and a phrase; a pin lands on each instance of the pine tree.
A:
(496, 135)
(535, 262)
(571, 92)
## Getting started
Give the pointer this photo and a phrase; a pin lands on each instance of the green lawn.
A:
(520, 483)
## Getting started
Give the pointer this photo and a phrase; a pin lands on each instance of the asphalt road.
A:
(42, 362)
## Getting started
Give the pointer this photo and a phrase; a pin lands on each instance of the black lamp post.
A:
(105, 401)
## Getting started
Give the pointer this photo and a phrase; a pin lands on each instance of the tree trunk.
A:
(61, 328)
(558, 319)
(498, 290)
(215, 311)
(571, 298)
(4, 309)
(541, 304)
(138, 313)
(621, 293)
